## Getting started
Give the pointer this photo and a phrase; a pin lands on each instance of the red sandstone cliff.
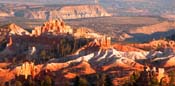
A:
(54, 27)
(126, 48)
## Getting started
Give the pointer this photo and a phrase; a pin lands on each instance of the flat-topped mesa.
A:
(82, 11)
(104, 42)
(54, 27)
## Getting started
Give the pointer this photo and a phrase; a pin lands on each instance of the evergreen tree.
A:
(172, 78)
(97, 83)
(74, 45)
(3, 44)
(102, 79)
(154, 82)
(43, 54)
(80, 81)
(76, 82)
(18, 83)
(108, 81)
(31, 82)
(83, 82)
(47, 81)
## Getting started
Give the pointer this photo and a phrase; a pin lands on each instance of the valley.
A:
(91, 43)
(81, 53)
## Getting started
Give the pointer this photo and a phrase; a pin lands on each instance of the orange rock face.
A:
(126, 48)
(86, 33)
(155, 45)
(104, 42)
(27, 69)
(54, 27)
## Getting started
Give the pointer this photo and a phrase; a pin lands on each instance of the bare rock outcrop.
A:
(126, 48)
(54, 27)
(82, 11)
(13, 29)
(156, 45)
(67, 12)
(86, 33)
(17, 30)
(5, 34)
(4, 14)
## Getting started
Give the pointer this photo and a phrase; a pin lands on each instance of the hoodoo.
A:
(54, 27)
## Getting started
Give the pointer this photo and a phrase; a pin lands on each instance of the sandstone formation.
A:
(67, 12)
(4, 14)
(47, 12)
(86, 33)
(16, 30)
(126, 48)
(13, 29)
(82, 11)
(87, 64)
(103, 41)
(156, 45)
(169, 62)
(54, 27)
(27, 69)
(99, 55)
(6, 33)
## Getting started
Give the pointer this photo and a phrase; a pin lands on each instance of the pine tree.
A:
(76, 82)
(18, 83)
(47, 81)
(154, 82)
(83, 82)
(80, 81)
(172, 78)
(108, 81)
